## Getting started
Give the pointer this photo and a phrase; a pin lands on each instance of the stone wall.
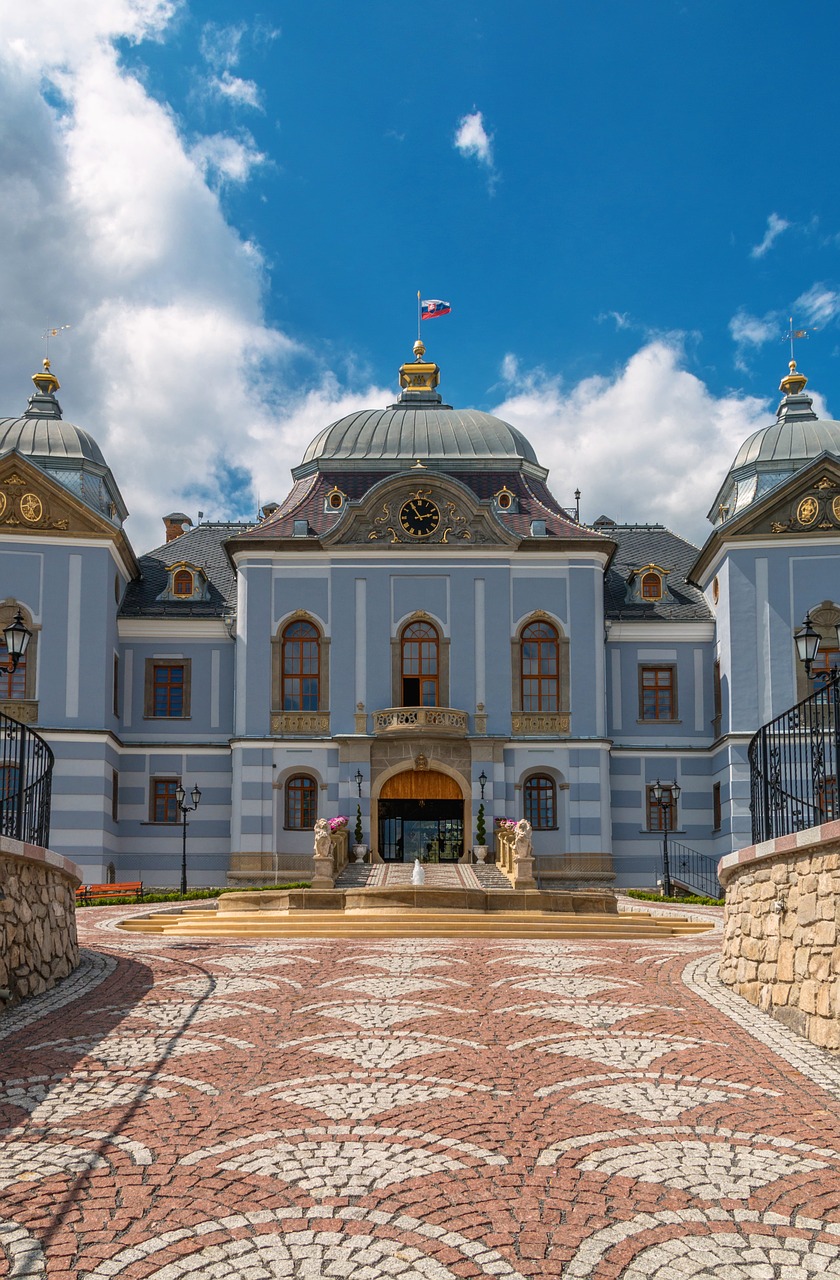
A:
(781, 947)
(37, 919)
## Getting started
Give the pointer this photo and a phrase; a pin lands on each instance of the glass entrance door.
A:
(428, 829)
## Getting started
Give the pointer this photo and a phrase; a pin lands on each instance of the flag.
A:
(433, 307)
(800, 333)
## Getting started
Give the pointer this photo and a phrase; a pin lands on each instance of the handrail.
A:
(26, 765)
(694, 870)
(793, 766)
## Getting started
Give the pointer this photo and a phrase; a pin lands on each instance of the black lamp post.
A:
(359, 779)
(482, 782)
(181, 797)
(17, 636)
(665, 795)
(807, 642)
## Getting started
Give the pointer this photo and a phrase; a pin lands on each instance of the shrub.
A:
(358, 833)
(480, 828)
(648, 896)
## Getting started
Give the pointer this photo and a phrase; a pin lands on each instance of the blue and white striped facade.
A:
(723, 626)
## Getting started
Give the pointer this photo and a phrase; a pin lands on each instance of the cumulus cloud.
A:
(473, 141)
(109, 221)
(750, 332)
(819, 304)
(775, 227)
(242, 93)
(649, 443)
(221, 49)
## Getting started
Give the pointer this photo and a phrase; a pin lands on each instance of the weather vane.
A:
(51, 333)
(792, 334)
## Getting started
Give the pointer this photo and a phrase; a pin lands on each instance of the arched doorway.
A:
(421, 815)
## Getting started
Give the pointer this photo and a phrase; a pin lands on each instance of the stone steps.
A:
(411, 923)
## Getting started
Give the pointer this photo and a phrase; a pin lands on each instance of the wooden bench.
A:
(87, 892)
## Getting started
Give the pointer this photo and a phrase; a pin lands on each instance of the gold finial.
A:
(794, 382)
(419, 349)
(418, 375)
(46, 382)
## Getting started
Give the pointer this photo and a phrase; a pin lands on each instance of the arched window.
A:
(300, 667)
(12, 683)
(651, 586)
(182, 583)
(420, 665)
(540, 668)
(541, 802)
(301, 802)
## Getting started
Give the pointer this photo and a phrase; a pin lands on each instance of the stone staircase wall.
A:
(38, 944)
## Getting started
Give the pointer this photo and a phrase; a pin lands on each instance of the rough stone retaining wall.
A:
(37, 919)
(781, 947)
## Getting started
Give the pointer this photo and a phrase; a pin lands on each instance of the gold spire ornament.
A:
(794, 383)
(46, 382)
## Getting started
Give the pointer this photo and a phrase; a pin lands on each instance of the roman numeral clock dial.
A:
(419, 517)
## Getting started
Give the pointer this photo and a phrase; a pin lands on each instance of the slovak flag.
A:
(433, 307)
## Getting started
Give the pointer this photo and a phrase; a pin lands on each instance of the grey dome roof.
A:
(404, 433)
(789, 441)
(49, 438)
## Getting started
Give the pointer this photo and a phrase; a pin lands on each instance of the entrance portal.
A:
(421, 815)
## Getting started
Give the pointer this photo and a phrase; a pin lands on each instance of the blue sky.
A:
(235, 204)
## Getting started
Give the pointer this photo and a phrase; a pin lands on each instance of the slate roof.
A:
(201, 546)
(307, 498)
(643, 544)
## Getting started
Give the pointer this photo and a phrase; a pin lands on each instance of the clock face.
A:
(419, 517)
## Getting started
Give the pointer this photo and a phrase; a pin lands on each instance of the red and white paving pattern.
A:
(182, 1109)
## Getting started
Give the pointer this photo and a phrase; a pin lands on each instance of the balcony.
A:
(303, 724)
(540, 724)
(404, 721)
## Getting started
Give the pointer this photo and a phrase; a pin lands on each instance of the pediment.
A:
(807, 504)
(399, 510)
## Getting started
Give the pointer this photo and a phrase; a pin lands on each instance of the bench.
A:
(87, 892)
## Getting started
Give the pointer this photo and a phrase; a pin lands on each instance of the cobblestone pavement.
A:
(247, 1110)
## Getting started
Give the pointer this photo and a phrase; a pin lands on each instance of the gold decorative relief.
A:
(807, 511)
(14, 478)
(825, 483)
(835, 508)
(3, 503)
(31, 507)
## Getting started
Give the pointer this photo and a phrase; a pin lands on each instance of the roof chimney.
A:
(174, 524)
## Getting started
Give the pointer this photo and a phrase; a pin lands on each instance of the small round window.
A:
(336, 500)
(504, 500)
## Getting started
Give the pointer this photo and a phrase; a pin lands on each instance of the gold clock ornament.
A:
(419, 517)
(31, 507)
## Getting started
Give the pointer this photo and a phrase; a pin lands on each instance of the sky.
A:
(234, 204)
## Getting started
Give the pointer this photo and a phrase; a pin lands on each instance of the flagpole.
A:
(418, 315)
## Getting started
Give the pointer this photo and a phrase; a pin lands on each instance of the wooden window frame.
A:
(547, 679)
(656, 812)
(190, 577)
(563, 666)
(277, 663)
(427, 679)
(653, 579)
(294, 644)
(152, 664)
(531, 806)
(669, 686)
(155, 796)
(306, 785)
(23, 679)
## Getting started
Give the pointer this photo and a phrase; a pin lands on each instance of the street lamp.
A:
(359, 779)
(482, 782)
(181, 797)
(807, 642)
(17, 636)
(666, 795)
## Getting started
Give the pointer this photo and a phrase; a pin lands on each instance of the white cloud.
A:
(749, 331)
(473, 141)
(775, 227)
(108, 222)
(230, 159)
(650, 443)
(243, 93)
(819, 304)
(220, 46)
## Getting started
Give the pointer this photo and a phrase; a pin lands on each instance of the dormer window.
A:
(505, 500)
(651, 586)
(647, 584)
(335, 500)
(183, 583)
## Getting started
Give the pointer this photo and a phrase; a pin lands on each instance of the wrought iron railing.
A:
(694, 870)
(793, 766)
(26, 765)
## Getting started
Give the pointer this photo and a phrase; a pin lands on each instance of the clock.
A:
(419, 517)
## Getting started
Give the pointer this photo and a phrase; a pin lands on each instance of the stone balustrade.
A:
(38, 943)
(781, 946)
(441, 721)
(517, 866)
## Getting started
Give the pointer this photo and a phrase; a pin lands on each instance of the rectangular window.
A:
(164, 804)
(717, 813)
(167, 692)
(656, 813)
(116, 684)
(657, 693)
(115, 795)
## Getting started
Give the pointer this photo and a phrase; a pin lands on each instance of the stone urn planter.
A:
(359, 852)
(480, 852)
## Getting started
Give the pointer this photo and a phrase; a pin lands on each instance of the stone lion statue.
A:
(522, 839)
(323, 839)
